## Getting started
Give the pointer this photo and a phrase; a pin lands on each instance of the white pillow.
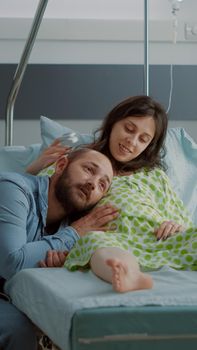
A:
(181, 160)
(51, 130)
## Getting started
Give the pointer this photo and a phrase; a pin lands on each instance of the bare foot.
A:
(125, 279)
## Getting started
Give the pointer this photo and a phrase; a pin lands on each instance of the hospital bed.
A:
(78, 311)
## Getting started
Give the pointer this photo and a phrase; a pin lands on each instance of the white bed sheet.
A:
(50, 297)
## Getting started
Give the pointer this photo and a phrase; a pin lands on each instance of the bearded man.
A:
(34, 218)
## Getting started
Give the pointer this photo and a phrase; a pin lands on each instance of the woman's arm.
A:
(49, 156)
(168, 229)
(175, 215)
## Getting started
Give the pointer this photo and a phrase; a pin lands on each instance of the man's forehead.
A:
(99, 162)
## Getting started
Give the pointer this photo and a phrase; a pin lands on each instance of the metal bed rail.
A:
(20, 70)
(17, 80)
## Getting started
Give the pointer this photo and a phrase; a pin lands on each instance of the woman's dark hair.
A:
(138, 106)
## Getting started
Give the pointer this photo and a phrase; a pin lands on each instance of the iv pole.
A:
(146, 61)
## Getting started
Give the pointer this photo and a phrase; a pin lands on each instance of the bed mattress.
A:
(78, 311)
(136, 328)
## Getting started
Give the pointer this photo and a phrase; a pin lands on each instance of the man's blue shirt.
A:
(23, 211)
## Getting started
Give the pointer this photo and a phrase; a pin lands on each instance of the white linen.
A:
(50, 297)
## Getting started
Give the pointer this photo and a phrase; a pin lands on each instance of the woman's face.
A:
(130, 137)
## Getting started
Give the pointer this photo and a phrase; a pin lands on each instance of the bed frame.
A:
(152, 327)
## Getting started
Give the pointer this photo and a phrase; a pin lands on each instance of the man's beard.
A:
(69, 195)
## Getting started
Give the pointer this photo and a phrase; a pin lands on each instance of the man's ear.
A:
(61, 164)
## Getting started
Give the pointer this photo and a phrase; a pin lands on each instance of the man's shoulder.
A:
(20, 180)
(23, 182)
(13, 177)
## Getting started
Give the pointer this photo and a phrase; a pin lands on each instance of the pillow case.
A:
(51, 130)
(181, 160)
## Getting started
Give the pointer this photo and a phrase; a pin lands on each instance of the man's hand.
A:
(167, 229)
(54, 258)
(96, 220)
(49, 156)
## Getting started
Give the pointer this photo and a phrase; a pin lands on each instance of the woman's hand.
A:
(96, 220)
(167, 229)
(47, 157)
(54, 258)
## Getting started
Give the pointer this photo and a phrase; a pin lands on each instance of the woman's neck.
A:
(122, 173)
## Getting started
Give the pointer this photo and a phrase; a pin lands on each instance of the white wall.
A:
(98, 31)
(95, 8)
(95, 31)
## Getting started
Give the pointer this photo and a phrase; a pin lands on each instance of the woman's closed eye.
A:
(129, 129)
(144, 139)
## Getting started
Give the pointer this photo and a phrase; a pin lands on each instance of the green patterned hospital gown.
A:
(145, 200)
